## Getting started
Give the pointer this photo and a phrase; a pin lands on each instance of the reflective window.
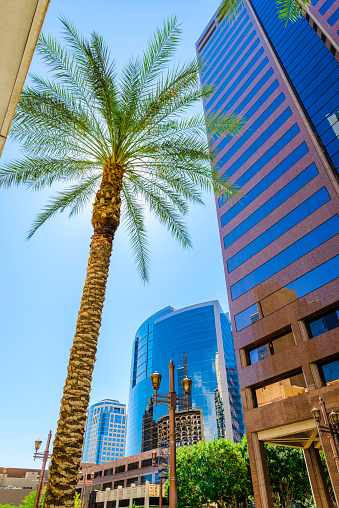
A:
(266, 182)
(271, 109)
(307, 61)
(280, 390)
(249, 95)
(223, 37)
(259, 142)
(334, 18)
(280, 197)
(206, 76)
(279, 228)
(324, 323)
(305, 284)
(295, 251)
(331, 372)
(274, 346)
(223, 89)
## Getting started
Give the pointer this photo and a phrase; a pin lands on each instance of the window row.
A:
(270, 110)
(266, 182)
(222, 96)
(257, 144)
(207, 77)
(229, 87)
(279, 228)
(295, 251)
(283, 341)
(223, 37)
(300, 287)
(274, 202)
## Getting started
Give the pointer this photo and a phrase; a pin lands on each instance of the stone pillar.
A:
(118, 496)
(259, 470)
(146, 503)
(331, 466)
(317, 478)
(131, 495)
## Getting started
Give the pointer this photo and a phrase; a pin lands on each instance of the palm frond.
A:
(75, 198)
(134, 223)
(228, 10)
(39, 172)
(291, 10)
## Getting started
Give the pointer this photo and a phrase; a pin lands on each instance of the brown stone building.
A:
(280, 241)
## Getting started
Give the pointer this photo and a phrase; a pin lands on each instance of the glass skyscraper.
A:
(280, 240)
(105, 432)
(199, 340)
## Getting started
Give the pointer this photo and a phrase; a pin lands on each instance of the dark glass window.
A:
(108, 472)
(312, 280)
(146, 478)
(269, 131)
(295, 251)
(107, 485)
(270, 110)
(279, 198)
(266, 182)
(119, 483)
(98, 474)
(334, 18)
(324, 323)
(206, 76)
(120, 469)
(274, 346)
(129, 481)
(331, 371)
(324, 8)
(132, 466)
(223, 88)
(279, 228)
(146, 463)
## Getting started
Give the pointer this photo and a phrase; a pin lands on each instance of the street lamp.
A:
(44, 456)
(330, 427)
(171, 400)
(86, 482)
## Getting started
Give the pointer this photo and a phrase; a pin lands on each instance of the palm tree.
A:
(127, 144)
(288, 10)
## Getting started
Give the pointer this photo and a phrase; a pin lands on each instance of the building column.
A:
(146, 503)
(317, 478)
(131, 495)
(331, 465)
(118, 496)
(259, 471)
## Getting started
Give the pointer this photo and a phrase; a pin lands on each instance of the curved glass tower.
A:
(199, 340)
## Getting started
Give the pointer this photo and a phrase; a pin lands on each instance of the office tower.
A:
(105, 432)
(199, 340)
(280, 240)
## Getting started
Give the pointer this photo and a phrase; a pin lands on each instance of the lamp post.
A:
(86, 482)
(171, 400)
(331, 427)
(44, 456)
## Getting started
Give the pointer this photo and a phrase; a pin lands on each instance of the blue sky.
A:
(42, 279)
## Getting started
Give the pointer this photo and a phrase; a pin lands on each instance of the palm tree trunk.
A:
(68, 442)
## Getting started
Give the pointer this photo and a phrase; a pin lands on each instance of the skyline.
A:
(43, 278)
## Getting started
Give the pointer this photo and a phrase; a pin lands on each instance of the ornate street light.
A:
(330, 427)
(171, 400)
(86, 482)
(44, 456)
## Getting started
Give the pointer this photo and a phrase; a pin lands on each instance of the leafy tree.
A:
(211, 472)
(288, 10)
(288, 474)
(127, 144)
